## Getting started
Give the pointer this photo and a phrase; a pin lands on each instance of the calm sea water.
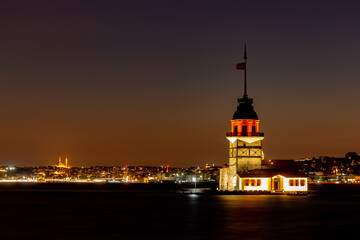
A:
(52, 211)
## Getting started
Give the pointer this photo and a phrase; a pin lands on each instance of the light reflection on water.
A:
(327, 212)
(267, 216)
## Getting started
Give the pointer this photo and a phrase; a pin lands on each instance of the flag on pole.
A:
(241, 66)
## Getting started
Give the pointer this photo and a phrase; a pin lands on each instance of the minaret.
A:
(245, 137)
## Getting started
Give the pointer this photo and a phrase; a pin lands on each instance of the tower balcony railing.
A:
(244, 134)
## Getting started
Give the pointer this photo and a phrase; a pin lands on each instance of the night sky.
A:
(154, 82)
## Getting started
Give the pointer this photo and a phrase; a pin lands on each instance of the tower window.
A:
(235, 129)
(244, 130)
(253, 129)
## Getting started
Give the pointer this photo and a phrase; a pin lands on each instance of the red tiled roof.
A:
(270, 173)
(279, 163)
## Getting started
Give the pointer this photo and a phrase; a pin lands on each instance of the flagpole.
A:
(245, 82)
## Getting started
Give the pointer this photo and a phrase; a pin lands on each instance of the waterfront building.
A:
(245, 171)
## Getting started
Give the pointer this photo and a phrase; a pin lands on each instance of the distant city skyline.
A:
(144, 83)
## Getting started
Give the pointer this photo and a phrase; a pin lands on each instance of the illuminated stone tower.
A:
(245, 138)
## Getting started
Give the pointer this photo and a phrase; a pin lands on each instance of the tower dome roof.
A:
(245, 109)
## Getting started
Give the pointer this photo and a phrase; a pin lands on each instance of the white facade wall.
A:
(288, 188)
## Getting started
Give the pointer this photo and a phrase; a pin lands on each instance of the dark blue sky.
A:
(154, 82)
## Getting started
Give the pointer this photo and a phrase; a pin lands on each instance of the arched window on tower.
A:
(244, 130)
